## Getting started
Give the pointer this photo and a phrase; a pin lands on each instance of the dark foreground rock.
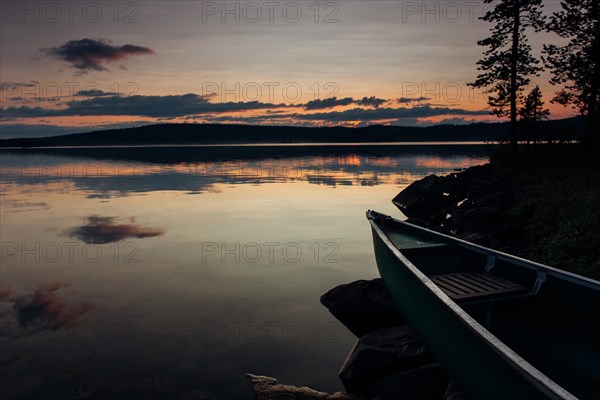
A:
(362, 306)
(382, 353)
(425, 383)
(454, 392)
(469, 205)
(267, 388)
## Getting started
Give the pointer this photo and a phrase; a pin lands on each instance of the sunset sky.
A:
(70, 67)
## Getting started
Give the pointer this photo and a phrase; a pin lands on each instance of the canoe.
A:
(502, 326)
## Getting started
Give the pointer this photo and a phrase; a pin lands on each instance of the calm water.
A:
(149, 273)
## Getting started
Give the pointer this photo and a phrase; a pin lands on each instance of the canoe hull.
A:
(481, 363)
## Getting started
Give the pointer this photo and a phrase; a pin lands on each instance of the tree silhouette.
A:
(532, 112)
(508, 62)
(576, 65)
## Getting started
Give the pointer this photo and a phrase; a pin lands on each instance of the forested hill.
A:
(184, 134)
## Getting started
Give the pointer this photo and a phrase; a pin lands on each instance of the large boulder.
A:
(423, 198)
(267, 388)
(425, 383)
(382, 353)
(362, 306)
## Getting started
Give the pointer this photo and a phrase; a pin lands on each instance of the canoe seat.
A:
(475, 285)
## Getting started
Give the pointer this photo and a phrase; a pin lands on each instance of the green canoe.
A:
(503, 327)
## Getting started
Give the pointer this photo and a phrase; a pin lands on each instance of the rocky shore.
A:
(470, 205)
(388, 361)
(510, 206)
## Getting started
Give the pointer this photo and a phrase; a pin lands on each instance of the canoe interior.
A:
(556, 330)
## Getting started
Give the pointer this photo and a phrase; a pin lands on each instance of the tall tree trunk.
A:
(594, 128)
(591, 140)
(513, 74)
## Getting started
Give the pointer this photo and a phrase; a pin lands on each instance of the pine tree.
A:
(532, 112)
(576, 65)
(508, 62)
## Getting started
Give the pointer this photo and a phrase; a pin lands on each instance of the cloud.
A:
(405, 100)
(101, 230)
(145, 106)
(361, 114)
(95, 93)
(406, 116)
(370, 101)
(328, 103)
(334, 101)
(91, 55)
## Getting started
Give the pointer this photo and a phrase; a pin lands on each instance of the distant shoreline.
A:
(336, 144)
(207, 135)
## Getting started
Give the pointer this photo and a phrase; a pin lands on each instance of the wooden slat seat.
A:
(475, 285)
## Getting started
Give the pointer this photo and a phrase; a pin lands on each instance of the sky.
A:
(77, 66)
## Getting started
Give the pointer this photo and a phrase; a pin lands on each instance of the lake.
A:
(163, 272)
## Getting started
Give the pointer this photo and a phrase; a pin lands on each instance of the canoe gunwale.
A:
(532, 265)
(526, 369)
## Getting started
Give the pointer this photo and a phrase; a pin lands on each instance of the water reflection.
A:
(102, 230)
(133, 273)
(44, 307)
(105, 173)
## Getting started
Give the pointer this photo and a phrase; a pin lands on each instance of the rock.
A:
(416, 190)
(382, 353)
(478, 225)
(481, 189)
(484, 213)
(362, 306)
(423, 198)
(458, 221)
(484, 220)
(267, 388)
(425, 383)
(477, 238)
(498, 201)
(454, 392)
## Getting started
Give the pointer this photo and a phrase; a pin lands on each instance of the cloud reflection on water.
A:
(102, 230)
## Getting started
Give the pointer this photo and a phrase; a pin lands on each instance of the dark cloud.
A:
(101, 230)
(328, 103)
(91, 55)
(370, 101)
(44, 307)
(145, 106)
(361, 114)
(95, 93)
(334, 101)
(405, 115)
(406, 100)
